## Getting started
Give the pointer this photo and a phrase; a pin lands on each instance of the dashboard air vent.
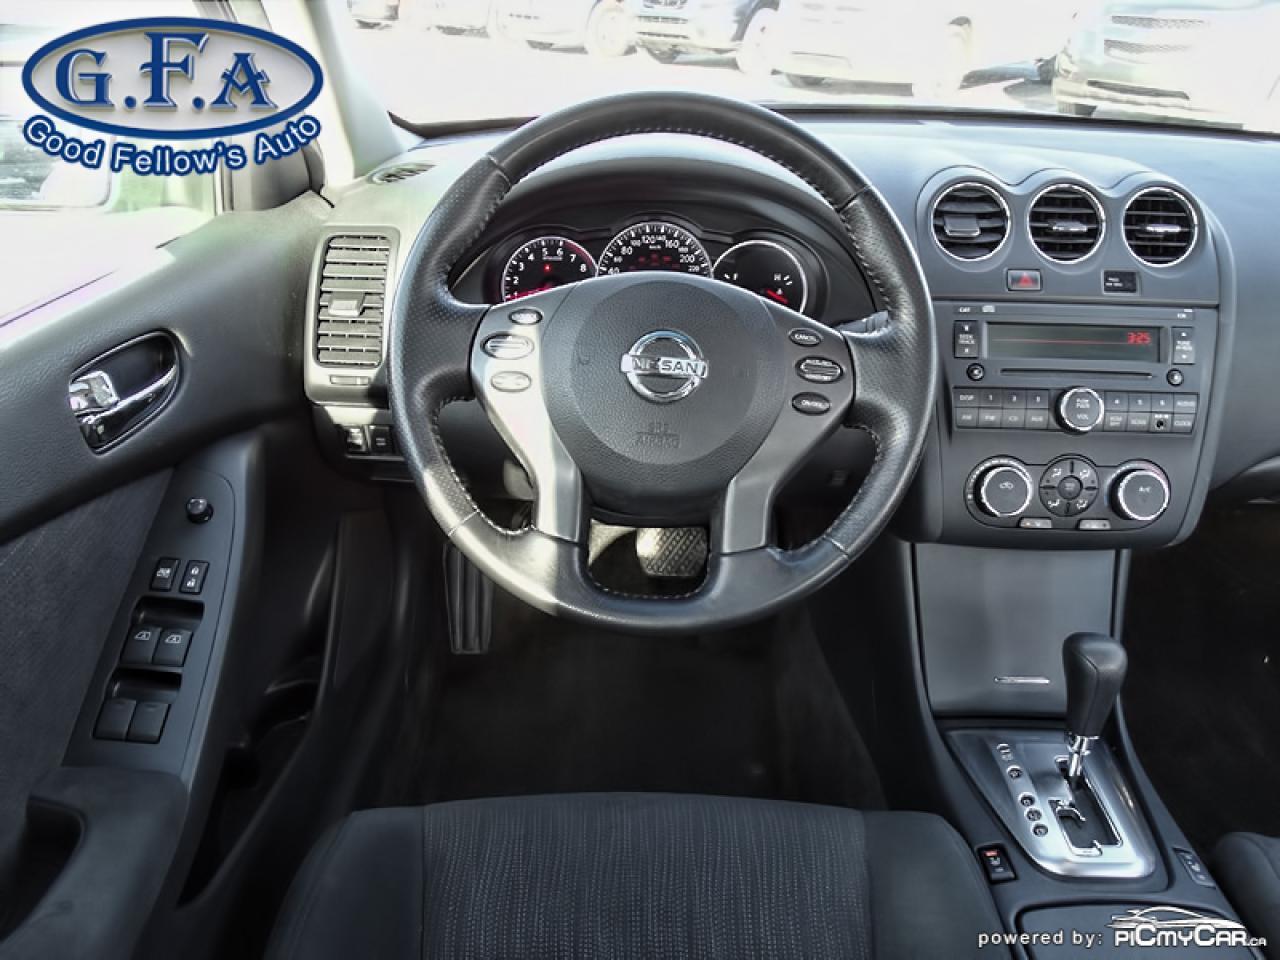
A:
(353, 290)
(399, 171)
(1066, 222)
(970, 221)
(1160, 226)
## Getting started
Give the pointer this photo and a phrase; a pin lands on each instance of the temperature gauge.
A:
(767, 269)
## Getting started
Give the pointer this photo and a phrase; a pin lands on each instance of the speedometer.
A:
(545, 263)
(655, 246)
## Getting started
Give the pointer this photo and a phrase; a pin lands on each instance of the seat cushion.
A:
(1248, 867)
(636, 876)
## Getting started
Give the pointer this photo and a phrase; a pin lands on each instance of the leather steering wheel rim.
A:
(432, 336)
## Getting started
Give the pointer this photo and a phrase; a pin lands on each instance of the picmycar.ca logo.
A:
(172, 78)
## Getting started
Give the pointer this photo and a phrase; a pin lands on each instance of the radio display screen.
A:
(1073, 341)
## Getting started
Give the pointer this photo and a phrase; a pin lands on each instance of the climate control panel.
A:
(1068, 493)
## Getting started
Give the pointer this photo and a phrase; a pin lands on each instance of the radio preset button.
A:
(990, 398)
(1080, 409)
(1037, 399)
(1117, 402)
(1140, 403)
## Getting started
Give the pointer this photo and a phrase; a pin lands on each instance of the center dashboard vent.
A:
(1160, 226)
(352, 301)
(399, 171)
(970, 221)
(1066, 222)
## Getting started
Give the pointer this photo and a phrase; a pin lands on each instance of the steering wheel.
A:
(660, 394)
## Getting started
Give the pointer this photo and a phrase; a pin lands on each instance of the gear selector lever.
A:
(1095, 666)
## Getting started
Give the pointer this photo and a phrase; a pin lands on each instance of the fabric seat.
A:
(636, 876)
(1248, 867)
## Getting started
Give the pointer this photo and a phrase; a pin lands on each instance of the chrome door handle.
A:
(93, 397)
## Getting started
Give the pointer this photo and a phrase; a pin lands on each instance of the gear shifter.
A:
(1095, 666)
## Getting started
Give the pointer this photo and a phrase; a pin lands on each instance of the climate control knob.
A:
(1080, 409)
(1003, 488)
(1140, 492)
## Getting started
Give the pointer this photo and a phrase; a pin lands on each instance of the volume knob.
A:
(1140, 492)
(1004, 489)
(1080, 409)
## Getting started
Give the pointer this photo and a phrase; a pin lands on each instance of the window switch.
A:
(165, 573)
(193, 579)
(140, 647)
(148, 721)
(113, 721)
(171, 650)
(995, 862)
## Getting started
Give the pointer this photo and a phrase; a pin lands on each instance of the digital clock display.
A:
(1072, 341)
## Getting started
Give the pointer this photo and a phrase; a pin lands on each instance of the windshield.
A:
(1170, 61)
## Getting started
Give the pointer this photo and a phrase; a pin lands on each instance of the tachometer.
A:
(655, 246)
(767, 269)
(545, 263)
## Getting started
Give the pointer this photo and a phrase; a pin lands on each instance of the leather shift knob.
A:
(1095, 666)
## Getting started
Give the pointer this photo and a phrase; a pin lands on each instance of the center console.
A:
(1070, 425)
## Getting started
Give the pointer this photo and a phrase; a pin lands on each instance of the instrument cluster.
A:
(769, 264)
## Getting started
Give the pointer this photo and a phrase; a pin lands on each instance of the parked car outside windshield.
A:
(1199, 61)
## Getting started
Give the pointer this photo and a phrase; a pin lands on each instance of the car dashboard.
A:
(1089, 286)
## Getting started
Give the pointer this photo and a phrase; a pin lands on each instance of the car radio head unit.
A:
(1009, 339)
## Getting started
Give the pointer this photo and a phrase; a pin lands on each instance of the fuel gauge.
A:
(765, 268)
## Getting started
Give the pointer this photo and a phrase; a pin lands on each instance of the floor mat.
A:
(558, 707)
(1202, 699)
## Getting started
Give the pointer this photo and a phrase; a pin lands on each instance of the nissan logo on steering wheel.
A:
(664, 366)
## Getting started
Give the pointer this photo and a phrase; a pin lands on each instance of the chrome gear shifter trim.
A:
(1025, 777)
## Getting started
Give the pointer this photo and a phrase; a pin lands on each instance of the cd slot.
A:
(1041, 372)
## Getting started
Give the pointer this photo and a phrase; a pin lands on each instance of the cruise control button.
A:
(510, 381)
(811, 404)
(508, 346)
(819, 370)
(804, 338)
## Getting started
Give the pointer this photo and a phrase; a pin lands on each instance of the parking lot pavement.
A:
(427, 76)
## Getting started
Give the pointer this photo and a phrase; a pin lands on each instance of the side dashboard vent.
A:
(399, 171)
(353, 295)
(1066, 222)
(1160, 227)
(970, 221)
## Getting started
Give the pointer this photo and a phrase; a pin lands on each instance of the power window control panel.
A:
(153, 645)
(137, 721)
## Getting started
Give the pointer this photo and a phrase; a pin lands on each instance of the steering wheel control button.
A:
(165, 573)
(508, 346)
(525, 317)
(665, 366)
(1003, 488)
(1080, 409)
(811, 404)
(199, 510)
(193, 578)
(140, 646)
(1140, 492)
(114, 719)
(510, 381)
(171, 650)
(802, 337)
(819, 370)
(148, 721)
